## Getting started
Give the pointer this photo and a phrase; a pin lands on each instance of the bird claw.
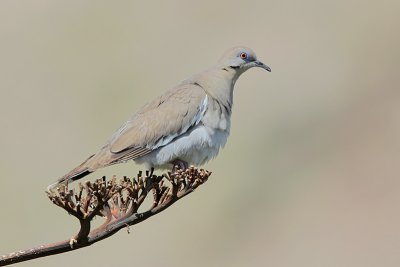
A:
(179, 164)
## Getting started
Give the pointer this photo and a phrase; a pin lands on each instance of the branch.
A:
(118, 202)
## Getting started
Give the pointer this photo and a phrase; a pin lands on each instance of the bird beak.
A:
(262, 65)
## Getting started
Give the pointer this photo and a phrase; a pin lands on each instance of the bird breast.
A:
(199, 144)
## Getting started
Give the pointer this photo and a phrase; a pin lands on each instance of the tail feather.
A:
(96, 161)
(79, 172)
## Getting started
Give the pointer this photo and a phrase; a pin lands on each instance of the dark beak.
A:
(262, 65)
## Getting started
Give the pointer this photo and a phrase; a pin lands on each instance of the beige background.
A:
(309, 177)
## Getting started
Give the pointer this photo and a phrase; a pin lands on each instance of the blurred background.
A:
(310, 175)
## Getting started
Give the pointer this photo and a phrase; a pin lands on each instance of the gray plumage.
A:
(188, 124)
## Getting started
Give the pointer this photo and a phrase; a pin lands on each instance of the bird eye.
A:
(243, 55)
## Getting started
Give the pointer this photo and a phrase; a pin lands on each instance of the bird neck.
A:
(218, 83)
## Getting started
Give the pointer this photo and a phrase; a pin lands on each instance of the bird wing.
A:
(159, 122)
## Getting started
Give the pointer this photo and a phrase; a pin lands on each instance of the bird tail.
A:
(77, 173)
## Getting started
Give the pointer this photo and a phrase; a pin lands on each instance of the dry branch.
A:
(118, 202)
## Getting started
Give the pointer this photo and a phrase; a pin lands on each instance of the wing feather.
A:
(160, 121)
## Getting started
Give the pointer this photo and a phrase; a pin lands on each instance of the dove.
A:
(187, 125)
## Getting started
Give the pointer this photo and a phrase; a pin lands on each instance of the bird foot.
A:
(179, 164)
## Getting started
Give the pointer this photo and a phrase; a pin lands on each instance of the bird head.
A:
(241, 59)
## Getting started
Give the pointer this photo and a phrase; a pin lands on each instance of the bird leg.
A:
(181, 164)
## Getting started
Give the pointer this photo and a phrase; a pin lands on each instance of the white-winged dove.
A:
(188, 124)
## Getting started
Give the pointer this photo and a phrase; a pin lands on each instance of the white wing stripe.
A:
(196, 119)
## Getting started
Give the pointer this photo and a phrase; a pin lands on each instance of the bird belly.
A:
(196, 147)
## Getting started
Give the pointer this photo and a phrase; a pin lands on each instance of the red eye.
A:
(243, 55)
